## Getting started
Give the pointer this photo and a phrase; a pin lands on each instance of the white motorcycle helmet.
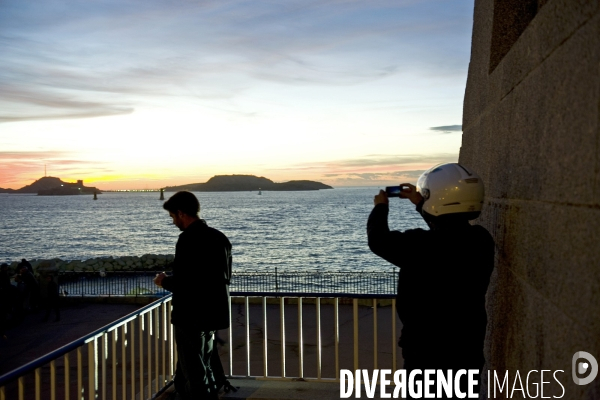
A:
(451, 189)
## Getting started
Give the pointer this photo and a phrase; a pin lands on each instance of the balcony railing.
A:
(127, 359)
(135, 356)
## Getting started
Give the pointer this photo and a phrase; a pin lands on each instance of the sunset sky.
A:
(144, 94)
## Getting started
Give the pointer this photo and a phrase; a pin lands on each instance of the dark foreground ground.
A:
(33, 338)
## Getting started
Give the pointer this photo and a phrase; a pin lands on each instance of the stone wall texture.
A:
(531, 130)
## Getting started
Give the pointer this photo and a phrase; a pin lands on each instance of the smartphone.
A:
(393, 191)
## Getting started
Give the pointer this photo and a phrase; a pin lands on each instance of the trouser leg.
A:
(217, 367)
(194, 348)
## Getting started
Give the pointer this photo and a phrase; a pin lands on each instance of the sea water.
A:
(321, 230)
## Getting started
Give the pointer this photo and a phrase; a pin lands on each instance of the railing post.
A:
(67, 377)
(132, 356)
(336, 321)
(230, 341)
(115, 337)
(165, 323)
(104, 352)
(156, 351)
(394, 345)
(374, 333)
(318, 338)
(141, 353)
(53, 380)
(300, 341)
(265, 342)
(38, 384)
(92, 369)
(21, 384)
(355, 320)
(149, 332)
(247, 313)
(123, 362)
(282, 322)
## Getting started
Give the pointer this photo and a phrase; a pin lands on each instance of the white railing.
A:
(362, 338)
(135, 356)
(131, 358)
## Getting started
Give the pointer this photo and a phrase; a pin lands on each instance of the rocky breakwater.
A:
(147, 262)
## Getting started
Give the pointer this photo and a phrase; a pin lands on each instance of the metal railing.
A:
(139, 283)
(135, 356)
(297, 338)
(130, 358)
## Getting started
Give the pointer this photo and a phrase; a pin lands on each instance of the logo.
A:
(588, 367)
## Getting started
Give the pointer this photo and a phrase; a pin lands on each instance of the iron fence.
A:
(139, 283)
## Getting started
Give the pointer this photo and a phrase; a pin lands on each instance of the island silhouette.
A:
(239, 183)
(52, 186)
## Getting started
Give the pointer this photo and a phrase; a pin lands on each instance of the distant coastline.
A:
(241, 183)
(52, 186)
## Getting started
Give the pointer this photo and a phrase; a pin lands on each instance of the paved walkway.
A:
(33, 338)
(259, 389)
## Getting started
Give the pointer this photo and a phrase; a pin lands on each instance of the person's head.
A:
(183, 207)
(452, 194)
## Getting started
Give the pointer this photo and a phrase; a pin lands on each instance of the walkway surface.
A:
(259, 389)
(33, 338)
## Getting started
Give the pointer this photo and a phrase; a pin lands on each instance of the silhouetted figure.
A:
(199, 283)
(31, 292)
(444, 271)
(19, 300)
(27, 264)
(4, 310)
(52, 299)
(4, 276)
(7, 298)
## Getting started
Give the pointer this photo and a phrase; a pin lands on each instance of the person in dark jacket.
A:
(26, 264)
(444, 271)
(4, 276)
(31, 293)
(199, 282)
(52, 301)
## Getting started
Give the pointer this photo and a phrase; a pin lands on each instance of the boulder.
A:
(46, 267)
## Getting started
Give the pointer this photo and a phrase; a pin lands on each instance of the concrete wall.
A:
(530, 123)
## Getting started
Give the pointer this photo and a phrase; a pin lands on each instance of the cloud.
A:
(379, 176)
(379, 161)
(447, 128)
(29, 103)
(91, 59)
(372, 169)
(31, 155)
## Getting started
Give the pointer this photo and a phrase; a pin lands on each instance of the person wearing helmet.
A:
(444, 271)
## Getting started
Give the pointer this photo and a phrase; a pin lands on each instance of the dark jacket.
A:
(200, 278)
(444, 275)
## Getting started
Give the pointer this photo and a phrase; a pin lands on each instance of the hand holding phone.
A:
(394, 191)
